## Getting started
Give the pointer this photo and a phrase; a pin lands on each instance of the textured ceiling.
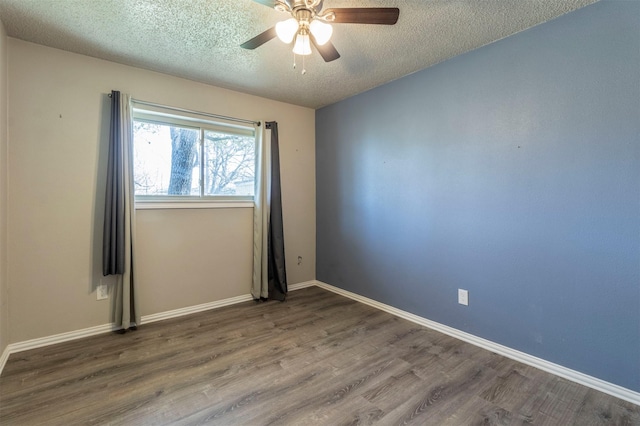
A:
(200, 39)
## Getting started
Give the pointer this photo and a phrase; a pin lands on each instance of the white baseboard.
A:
(59, 338)
(4, 357)
(145, 319)
(294, 287)
(558, 370)
(52, 340)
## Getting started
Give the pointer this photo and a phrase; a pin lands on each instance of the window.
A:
(187, 159)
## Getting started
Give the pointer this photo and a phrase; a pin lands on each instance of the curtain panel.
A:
(269, 269)
(119, 217)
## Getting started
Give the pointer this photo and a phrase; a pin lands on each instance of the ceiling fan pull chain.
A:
(304, 69)
(294, 61)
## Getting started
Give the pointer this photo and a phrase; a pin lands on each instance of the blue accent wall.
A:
(512, 171)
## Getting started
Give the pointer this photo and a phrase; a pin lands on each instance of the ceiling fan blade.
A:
(366, 15)
(268, 3)
(260, 39)
(327, 50)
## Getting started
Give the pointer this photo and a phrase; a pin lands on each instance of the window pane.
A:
(165, 159)
(229, 164)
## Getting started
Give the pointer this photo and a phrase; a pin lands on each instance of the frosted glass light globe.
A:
(321, 31)
(286, 30)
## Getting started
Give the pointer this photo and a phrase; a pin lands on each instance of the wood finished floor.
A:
(318, 358)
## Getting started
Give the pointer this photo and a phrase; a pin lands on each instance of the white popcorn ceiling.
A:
(200, 39)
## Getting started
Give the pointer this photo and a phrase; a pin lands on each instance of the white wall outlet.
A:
(102, 292)
(463, 297)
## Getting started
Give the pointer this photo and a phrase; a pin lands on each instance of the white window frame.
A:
(156, 115)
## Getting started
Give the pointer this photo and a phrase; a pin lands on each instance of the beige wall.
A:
(58, 114)
(4, 311)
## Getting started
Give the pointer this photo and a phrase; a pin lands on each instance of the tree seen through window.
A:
(169, 160)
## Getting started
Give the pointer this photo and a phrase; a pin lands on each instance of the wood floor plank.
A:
(447, 390)
(598, 408)
(316, 359)
(478, 411)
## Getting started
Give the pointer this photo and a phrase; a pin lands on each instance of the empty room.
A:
(327, 212)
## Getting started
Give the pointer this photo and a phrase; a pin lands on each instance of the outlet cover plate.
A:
(102, 292)
(463, 297)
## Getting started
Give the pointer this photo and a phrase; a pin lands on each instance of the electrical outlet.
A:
(463, 297)
(299, 260)
(102, 292)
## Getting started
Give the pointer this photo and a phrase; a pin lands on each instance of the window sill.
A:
(156, 205)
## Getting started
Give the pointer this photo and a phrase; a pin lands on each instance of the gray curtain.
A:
(277, 268)
(269, 271)
(119, 216)
(113, 232)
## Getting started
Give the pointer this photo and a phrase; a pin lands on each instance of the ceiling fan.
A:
(309, 24)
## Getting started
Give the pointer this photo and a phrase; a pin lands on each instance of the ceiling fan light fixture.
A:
(309, 24)
(286, 30)
(302, 46)
(321, 32)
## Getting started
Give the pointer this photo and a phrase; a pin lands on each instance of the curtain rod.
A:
(189, 111)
